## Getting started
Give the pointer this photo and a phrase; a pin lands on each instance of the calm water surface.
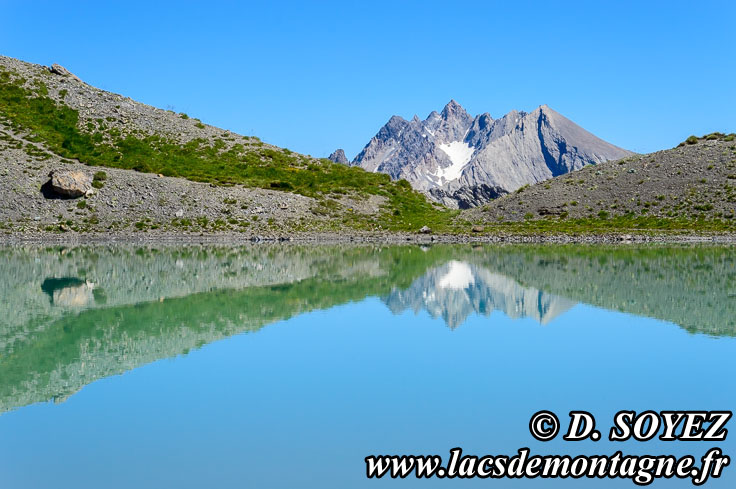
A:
(283, 367)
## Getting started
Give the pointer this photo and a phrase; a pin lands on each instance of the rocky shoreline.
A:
(348, 237)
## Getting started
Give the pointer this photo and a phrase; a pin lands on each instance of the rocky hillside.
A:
(692, 183)
(463, 161)
(122, 166)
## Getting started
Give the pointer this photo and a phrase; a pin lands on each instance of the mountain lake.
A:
(285, 366)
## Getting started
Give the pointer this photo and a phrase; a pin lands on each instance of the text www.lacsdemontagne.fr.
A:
(640, 469)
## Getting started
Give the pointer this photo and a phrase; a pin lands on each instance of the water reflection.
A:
(69, 316)
(68, 291)
(458, 289)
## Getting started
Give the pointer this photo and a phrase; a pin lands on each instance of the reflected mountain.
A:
(70, 316)
(458, 289)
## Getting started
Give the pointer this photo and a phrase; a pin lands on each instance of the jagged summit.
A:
(453, 109)
(463, 161)
(338, 156)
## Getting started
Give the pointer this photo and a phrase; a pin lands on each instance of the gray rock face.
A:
(464, 161)
(70, 183)
(467, 196)
(339, 157)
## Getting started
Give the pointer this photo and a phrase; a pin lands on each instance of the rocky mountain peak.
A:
(463, 161)
(393, 128)
(545, 111)
(454, 110)
(450, 125)
(452, 107)
(396, 120)
(338, 156)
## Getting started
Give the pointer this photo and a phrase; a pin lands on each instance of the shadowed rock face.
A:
(467, 196)
(464, 161)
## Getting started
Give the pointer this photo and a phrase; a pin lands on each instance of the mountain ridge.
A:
(464, 161)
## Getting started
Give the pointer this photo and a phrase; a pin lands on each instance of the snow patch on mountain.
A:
(460, 154)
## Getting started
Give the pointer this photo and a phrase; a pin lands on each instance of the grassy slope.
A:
(27, 108)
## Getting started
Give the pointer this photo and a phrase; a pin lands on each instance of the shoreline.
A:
(320, 238)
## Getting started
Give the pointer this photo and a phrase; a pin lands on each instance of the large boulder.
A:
(70, 183)
(61, 71)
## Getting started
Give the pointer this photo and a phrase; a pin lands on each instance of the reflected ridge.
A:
(70, 316)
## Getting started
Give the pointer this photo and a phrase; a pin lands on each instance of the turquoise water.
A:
(284, 367)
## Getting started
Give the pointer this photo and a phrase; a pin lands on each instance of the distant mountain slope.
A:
(463, 161)
(691, 183)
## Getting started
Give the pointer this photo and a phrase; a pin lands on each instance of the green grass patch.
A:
(629, 223)
(98, 180)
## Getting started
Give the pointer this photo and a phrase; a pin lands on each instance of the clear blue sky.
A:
(314, 76)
